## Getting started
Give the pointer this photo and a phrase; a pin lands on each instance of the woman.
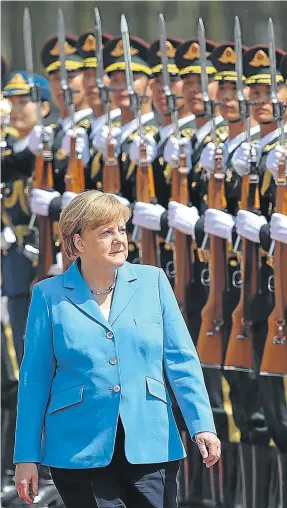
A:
(103, 341)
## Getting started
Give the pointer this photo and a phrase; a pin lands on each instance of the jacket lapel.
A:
(125, 289)
(77, 291)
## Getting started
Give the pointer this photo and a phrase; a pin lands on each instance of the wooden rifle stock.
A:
(274, 361)
(145, 191)
(111, 172)
(181, 252)
(75, 182)
(43, 179)
(239, 353)
(209, 344)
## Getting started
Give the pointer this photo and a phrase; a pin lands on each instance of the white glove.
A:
(4, 310)
(171, 151)
(81, 140)
(182, 217)
(273, 160)
(100, 139)
(218, 223)
(151, 149)
(58, 267)
(8, 237)
(278, 227)
(241, 159)
(147, 215)
(207, 158)
(248, 225)
(68, 196)
(35, 143)
(123, 200)
(40, 201)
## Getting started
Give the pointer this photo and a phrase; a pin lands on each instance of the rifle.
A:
(75, 175)
(209, 345)
(179, 185)
(274, 361)
(111, 172)
(43, 175)
(145, 189)
(239, 354)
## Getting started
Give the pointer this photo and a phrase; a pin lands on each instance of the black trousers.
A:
(120, 484)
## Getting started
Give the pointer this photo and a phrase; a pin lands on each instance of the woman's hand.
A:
(26, 475)
(209, 447)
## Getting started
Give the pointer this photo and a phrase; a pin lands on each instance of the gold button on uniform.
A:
(116, 388)
(113, 361)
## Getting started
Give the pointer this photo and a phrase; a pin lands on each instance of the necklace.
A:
(106, 291)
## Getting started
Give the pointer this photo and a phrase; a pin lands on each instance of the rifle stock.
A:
(75, 182)
(274, 360)
(43, 179)
(181, 249)
(209, 344)
(146, 194)
(111, 172)
(239, 353)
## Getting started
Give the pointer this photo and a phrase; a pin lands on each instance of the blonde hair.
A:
(87, 211)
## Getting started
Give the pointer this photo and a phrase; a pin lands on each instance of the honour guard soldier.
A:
(17, 166)
(254, 227)
(87, 49)
(46, 203)
(187, 220)
(126, 139)
(114, 63)
(20, 246)
(184, 218)
(247, 413)
(150, 216)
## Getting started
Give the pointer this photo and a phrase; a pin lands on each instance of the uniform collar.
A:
(166, 131)
(21, 144)
(100, 121)
(233, 143)
(130, 127)
(78, 116)
(203, 131)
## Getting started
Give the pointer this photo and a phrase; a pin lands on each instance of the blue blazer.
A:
(81, 372)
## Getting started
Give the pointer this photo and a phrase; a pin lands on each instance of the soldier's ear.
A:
(45, 109)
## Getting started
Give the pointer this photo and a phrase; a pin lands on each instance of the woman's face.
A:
(106, 245)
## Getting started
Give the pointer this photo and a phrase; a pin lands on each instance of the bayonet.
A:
(99, 49)
(68, 97)
(243, 103)
(103, 89)
(170, 97)
(28, 52)
(134, 97)
(278, 106)
(209, 105)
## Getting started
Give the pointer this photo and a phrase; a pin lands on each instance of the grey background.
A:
(142, 16)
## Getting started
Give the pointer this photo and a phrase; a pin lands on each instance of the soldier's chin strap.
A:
(268, 123)
(237, 120)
